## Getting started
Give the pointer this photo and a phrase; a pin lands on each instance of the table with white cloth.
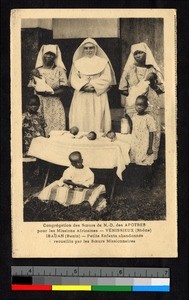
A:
(101, 153)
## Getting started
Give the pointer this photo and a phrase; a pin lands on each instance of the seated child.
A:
(140, 89)
(39, 84)
(75, 186)
(143, 132)
(33, 123)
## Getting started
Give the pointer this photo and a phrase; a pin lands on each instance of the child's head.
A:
(141, 104)
(111, 134)
(151, 77)
(33, 104)
(76, 159)
(91, 135)
(74, 130)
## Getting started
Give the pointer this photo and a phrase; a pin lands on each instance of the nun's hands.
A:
(88, 88)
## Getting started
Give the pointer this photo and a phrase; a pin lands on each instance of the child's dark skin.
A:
(74, 130)
(91, 136)
(32, 106)
(141, 107)
(76, 162)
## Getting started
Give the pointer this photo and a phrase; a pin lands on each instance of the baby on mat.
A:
(75, 186)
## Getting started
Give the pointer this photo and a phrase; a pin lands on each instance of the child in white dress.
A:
(39, 84)
(143, 132)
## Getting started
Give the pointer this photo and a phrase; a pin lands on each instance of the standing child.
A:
(143, 132)
(75, 186)
(33, 123)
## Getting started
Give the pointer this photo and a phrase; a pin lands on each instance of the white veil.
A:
(50, 48)
(150, 60)
(99, 52)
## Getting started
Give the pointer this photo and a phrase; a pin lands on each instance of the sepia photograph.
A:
(81, 122)
(95, 121)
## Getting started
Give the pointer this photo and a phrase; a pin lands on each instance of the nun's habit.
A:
(90, 111)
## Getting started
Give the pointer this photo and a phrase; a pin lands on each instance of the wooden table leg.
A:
(113, 187)
(47, 176)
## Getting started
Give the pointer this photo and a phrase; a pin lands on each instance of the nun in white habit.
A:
(50, 68)
(91, 77)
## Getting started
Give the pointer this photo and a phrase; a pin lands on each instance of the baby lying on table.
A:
(110, 135)
(72, 133)
(93, 136)
(75, 186)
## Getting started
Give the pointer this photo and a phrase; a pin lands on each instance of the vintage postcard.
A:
(93, 133)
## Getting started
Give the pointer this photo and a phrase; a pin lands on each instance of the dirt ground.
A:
(133, 198)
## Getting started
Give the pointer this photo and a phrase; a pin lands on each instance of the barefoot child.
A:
(75, 186)
(142, 139)
(33, 123)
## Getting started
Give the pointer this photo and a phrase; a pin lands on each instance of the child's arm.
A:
(130, 123)
(151, 138)
(152, 129)
(70, 182)
(23, 118)
(82, 136)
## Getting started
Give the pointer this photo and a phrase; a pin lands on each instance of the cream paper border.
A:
(161, 241)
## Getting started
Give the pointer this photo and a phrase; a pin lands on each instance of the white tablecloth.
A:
(100, 153)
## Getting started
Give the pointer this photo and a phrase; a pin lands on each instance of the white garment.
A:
(82, 176)
(98, 154)
(99, 52)
(137, 90)
(90, 111)
(142, 126)
(90, 65)
(62, 193)
(40, 85)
